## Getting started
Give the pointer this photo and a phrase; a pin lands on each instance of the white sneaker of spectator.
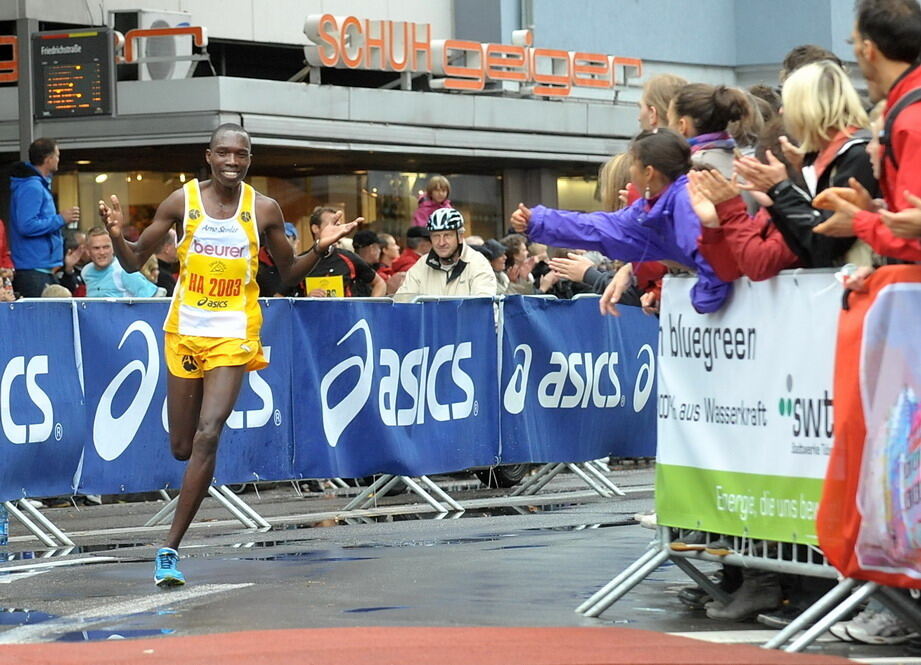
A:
(873, 626)
(35, 503)
(647, 520)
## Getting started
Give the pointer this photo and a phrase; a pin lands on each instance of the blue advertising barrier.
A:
(576, 386)
(353, 388)
(406, 389)
(41, 403)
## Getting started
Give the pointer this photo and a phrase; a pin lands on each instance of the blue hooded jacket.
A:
(668, 230)
(36, 241)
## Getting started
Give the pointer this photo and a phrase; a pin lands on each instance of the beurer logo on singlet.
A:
(227, 251)
(413, 375)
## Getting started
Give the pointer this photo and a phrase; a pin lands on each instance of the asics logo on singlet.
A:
(409, 387)
(14, 431)
(113, 434)
(227, 251)
(578, 380)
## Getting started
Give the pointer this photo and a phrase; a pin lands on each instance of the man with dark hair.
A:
(340, 273)
(803, 55)
(367, 245)
(418, 245)
(36, 241)
(887, 45)
(214, 322)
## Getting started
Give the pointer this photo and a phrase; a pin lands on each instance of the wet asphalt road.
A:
(492, 567)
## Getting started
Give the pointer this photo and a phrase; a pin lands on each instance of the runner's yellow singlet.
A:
(217, 293)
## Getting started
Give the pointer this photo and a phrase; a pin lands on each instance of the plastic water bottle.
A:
(4, 531)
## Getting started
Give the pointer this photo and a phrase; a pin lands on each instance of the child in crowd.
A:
(436, 196)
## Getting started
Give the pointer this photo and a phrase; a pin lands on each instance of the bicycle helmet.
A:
(445, 219)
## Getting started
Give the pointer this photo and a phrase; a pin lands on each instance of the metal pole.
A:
(713, 590)
(163, 512)
(826, 622)
(603, 479)
(391, 481)
(627, 572)
(537, 475)
(441, 494)
(366, 492)
(588, 480)
(245, 507)
(24, 29)
(29, 524)
(813, 612)
(221, 499)
(615, 594)
(553, 473)
(48, 524)
(428, 498)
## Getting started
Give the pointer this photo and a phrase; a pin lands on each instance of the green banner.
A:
(738, 504)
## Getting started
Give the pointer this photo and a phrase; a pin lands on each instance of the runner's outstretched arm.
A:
(133, 255)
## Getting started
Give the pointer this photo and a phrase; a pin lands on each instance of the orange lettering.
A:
(424, 46)
(398, 66)
(376, 44)
(325, 33)
(506, 63)
(634, 63)
(351, 39)
(556, 83)
(591, 70)
(465, 78)
(9, 69)
(196, 32)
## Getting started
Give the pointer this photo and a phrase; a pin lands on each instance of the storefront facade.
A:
(479, 101)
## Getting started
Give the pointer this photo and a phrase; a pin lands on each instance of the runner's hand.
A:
(334, 232)
(111, 216)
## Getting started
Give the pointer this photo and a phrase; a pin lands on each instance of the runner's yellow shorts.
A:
(189, 357)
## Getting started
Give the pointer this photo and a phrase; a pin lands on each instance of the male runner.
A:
(212, 329)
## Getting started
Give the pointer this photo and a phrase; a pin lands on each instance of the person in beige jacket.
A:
(451, 268)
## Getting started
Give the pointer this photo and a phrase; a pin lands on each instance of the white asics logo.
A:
(113, 434)
(337, 418)
(34, 432)
(577, 380)
(412, 380)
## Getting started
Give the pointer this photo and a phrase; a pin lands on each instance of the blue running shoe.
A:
(167, 572)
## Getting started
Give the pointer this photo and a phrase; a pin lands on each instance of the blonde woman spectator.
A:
(657, 95)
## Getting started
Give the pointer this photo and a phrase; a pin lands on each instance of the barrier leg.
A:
(543, 482)
(165, 495)
(47, 523)
(441, 494)
(603, 479)
(29, 524)
(163, 513)
(388, 483)
(702, 580)
(338, 482)
(244, 507)
(533, 479)
(428, 498)
(606, 589)
(814, 611)
(367, 492)
(588, 480)
(628, 583)
(826, 622)
(221, 499)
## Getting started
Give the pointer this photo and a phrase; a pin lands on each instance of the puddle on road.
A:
(304, 556)
(99, 635)
(14, 616)
(359, 610)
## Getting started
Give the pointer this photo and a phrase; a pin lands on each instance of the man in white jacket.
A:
(451, 267)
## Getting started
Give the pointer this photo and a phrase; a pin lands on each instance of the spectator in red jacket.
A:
(887, 44)
(417, 246)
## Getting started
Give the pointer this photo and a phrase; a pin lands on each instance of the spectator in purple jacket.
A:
(660, 226)
(436, 196)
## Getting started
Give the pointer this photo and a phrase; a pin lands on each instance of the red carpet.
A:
(408, 646)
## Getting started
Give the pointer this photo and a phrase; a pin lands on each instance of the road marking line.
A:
(59, 564)
(15, 577)
(104, 613)
(741, 636)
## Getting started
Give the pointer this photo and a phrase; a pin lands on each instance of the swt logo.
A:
(408, 389)
(813, 417)
(33, 432)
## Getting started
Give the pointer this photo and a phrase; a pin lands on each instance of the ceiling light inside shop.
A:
(102, 177)
(182, 177)
(138, 177)
(83, 162)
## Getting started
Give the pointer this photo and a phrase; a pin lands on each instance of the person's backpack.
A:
(885, 137)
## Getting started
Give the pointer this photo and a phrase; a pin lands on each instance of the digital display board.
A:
(72, 73)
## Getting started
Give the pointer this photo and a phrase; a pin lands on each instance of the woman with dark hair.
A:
(660, 226)
(702, 114)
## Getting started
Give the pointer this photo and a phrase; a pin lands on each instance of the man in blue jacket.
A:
(36, 241)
